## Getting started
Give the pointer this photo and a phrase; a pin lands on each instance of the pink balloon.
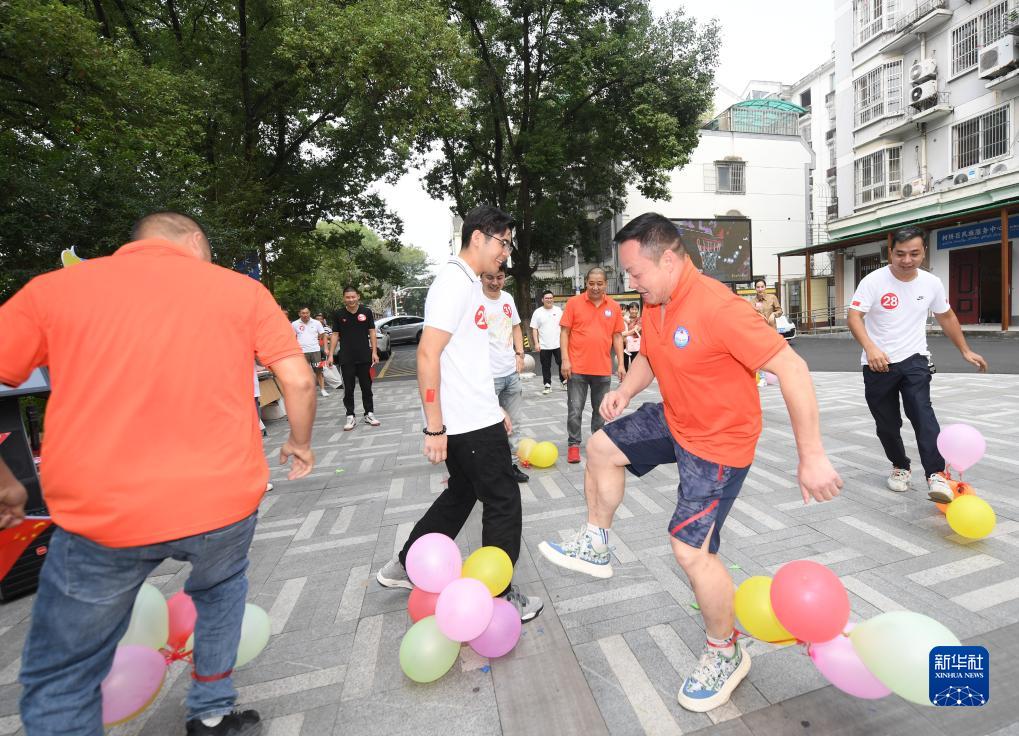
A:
(182, 616)
(502, 633)
(770, 378)
(433, 562)
(464, 609)
(133, 682)
(809, 600)
(961, 445)
(843, 668)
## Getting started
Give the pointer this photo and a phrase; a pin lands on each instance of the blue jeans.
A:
(83, 607)
(510, 392)
(576, 395)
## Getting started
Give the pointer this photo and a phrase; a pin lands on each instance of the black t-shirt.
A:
(352, 330)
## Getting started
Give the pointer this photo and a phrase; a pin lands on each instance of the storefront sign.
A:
(977, 233)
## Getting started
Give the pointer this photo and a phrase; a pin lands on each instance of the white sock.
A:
(725, 647)
(599, 537)
(212, 722)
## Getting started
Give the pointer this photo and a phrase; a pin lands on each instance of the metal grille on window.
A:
(994, 133)
(894, 170)
(869, 101)
(964, 46)
(730, 177)
(966, 144)
(870, 18)
(992, 24)
(893, 87)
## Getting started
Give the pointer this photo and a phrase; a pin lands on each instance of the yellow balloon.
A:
(753, 608)
(490, 565)
(525, 448)
(544, 455)
(150, 619)
(69, 258)
(971, 517)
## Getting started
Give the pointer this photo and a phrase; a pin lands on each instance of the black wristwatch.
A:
(435, 434)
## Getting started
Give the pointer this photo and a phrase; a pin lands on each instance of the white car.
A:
(403, 328)
(785, 328)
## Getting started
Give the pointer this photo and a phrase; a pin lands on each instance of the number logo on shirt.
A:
(479, 318)
(890, 300)
(361, 318)
(507, 310)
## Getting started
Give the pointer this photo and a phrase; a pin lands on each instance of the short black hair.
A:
(166, 221)
(351, 287)
(547, 292)
(655, 233)
(908, 233)
(761, 281)
(486, 218)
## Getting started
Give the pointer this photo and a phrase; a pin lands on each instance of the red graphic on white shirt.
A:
(507, 311)
(301, 328)
(479, 318)
(890, 300)
(361, 318)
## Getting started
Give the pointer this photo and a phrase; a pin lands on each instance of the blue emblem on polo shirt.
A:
(608, 312)
(681, 337)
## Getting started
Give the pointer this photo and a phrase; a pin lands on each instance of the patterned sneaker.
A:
(393, 575)
(369, 418)
(528, 606)
(938, 484)
(547, 390)
(898, 481)
(578, 554)
(351, 423)
(713, 680)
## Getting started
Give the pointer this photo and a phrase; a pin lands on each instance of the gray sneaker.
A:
(579, 554)
(713, 680)
(529, 606)
(393, 575)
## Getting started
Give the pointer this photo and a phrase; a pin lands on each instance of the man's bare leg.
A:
(711, 583)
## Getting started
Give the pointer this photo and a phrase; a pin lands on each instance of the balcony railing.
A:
(922, 9)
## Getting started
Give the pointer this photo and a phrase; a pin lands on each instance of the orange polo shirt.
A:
(704, 347)
(591, 331)
(150, 431)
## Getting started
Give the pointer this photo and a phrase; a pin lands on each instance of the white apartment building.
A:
(924, 103)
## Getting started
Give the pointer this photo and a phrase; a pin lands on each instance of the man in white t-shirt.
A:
(545, 331)
(309, 331)
(464, 425)
(896, 361)
(505, 352)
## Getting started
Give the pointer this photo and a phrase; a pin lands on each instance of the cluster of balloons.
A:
(162, 631)
(452, 603)
(970, 516)
(537, 454)
(807, 602)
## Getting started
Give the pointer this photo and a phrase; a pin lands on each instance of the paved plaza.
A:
(604, 657)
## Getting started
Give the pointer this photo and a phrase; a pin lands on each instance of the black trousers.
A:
(546, 364)
(910, 379)
(629, 358)
(362, 372)
(479, 470)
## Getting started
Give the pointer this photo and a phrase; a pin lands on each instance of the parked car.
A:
(404, 328)
(383, 343)
(785, 327)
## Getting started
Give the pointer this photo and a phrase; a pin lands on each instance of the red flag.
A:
(14, 540)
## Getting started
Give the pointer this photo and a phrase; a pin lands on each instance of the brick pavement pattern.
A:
(604, 656)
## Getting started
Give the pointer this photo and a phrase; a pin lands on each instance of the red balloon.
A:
(809, 601)
(421, 604)
(183, 615)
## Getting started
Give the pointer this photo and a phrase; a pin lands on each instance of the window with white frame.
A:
(878, 176)
(879, 93)
(974, 34)
(730, 177)
(982, 139)
(872, 17)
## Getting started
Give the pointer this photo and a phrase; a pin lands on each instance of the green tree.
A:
(564, 105)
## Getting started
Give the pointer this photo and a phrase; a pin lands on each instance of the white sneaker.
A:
(547, 390)
(268, 487)
(369, 418)
(938, 484)
(899, 480)
(351, 423)
(324, 392)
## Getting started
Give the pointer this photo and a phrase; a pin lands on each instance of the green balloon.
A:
(426, 654)
(150, 620)
(896, 647)
(255, 631)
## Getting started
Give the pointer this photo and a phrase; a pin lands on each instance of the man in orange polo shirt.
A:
(591, 326)
(704, 344)
(151, 452)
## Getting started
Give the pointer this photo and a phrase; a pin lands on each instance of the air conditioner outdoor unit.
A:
(999, 57)
(998, 169)
(923, 70)
(967, 175)
(920, 94)
(913, 188)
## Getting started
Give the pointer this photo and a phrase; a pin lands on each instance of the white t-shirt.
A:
(546, 322)
(897, 311)
(501, 315)
(455, 304)
(307, 334)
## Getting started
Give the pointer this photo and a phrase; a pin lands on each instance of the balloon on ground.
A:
(490, 565)
(132, 684)
(971, 517)
(464, 609)
(150, 625)
(753, 609)
(421, 604)
(961, 445)
(524, 448)
(426, 654)
(502, 632)
(255, 631)
(810, 601)
(528, 364)
(433, 561)
(843, 668)
(544, 455)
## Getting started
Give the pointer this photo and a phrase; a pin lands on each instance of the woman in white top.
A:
(631, 335)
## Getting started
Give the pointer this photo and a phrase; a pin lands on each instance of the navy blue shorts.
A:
(706, 491)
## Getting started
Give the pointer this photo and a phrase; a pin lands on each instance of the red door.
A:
(964, 284)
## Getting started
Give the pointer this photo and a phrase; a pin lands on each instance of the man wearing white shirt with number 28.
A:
(896, 361)
(464, 426)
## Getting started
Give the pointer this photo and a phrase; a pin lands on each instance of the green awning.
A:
(772, 104)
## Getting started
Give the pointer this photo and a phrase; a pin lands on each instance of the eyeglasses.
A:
(507, 243)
